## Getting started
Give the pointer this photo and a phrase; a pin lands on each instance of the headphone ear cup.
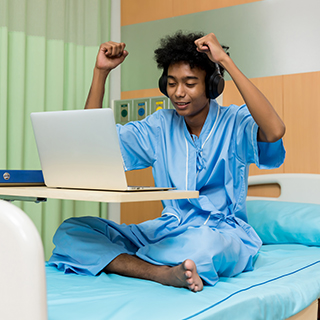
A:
(163, 84)
(215, 85)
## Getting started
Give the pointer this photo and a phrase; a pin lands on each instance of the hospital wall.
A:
(275, 44)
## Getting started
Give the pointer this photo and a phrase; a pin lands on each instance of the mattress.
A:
(286, 278)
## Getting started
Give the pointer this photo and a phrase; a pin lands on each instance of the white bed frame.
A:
(23, 292)
(22, 270)
(294, 187)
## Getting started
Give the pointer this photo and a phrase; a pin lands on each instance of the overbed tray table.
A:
(41, 193)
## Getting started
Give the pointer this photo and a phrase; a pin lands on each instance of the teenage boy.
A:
(198, 146)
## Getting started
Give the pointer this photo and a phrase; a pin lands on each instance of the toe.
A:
(192, 287)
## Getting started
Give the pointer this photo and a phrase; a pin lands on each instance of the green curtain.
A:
(47, 55)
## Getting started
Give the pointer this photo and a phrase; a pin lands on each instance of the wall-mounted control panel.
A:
(158, 103)
(138, 109)
(122, 108)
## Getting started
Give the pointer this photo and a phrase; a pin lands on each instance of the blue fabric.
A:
(285, 222)
(285, 280)
(90, 243)
(211, 230)
(216, 163)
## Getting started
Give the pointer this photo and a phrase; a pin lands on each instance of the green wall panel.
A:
(266, 38)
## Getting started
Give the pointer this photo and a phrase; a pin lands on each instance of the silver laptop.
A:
(80, 149)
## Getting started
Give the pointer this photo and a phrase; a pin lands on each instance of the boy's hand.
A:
(210, 45)
(110, 55)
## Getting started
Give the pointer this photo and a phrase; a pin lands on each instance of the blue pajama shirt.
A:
(211, 230)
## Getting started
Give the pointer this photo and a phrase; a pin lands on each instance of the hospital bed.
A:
(285, 283)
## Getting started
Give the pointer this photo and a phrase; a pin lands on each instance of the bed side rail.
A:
(295, 187)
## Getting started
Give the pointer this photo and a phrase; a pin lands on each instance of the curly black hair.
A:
(181, 47)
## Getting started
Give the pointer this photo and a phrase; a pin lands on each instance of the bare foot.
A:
(185, 275)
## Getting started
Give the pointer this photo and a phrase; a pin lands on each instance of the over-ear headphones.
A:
(214, 83)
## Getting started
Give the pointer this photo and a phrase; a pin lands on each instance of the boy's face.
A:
(187, 90)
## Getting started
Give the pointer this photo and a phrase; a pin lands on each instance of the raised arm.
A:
(271, 127)
(110, 55)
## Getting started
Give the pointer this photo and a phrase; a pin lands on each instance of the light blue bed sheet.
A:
(286, 279)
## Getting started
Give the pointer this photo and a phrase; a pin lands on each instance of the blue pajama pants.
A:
(86, 245)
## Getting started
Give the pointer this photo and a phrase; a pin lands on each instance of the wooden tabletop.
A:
(41, 193)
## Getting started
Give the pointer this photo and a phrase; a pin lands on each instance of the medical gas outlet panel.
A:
(137, 109)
